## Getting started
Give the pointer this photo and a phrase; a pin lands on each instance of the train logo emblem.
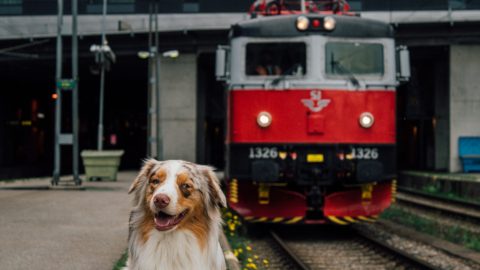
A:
(315, 103)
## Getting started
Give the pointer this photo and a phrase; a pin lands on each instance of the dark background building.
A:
(438, 105)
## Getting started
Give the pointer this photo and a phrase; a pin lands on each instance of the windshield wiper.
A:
(282, 77)
(337, 66)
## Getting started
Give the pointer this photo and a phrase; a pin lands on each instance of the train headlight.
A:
(264, 119)
(328, 23)
(302, 23)
(366, 120)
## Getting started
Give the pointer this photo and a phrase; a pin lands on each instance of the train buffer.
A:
(469, 153)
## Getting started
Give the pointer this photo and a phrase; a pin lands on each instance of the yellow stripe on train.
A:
(294, 220)
(262, 219)
(364, 218)
(337, 220)
(345, 220)
(394, 191)
(350, 219)
(273, 220)
(278, 219)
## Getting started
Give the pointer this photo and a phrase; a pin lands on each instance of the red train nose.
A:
(161, 200)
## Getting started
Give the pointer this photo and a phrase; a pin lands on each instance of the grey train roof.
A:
(284, 26)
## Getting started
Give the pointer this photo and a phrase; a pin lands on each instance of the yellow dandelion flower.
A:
(250, 260)
(249, 248)
(255, 256)
(265, 261)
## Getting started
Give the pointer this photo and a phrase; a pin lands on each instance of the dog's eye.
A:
(185, 186)
(155, 181)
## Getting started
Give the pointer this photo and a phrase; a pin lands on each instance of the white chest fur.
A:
(176, 250)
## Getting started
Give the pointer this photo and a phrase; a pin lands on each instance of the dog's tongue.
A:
(163, 220)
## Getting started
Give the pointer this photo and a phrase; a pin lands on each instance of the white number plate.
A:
(365, 153)
(263, 153)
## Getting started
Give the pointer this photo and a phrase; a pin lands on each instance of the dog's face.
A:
(175, 191)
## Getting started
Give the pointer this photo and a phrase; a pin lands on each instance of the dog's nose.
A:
(161, 200)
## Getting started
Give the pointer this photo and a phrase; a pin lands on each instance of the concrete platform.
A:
(463, 185)
(465, 177)
(63, 229)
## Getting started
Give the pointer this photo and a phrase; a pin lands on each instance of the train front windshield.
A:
(353, 58)
(272, 59)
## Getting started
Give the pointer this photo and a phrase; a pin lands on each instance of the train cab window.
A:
(353, 58)
(274, 59)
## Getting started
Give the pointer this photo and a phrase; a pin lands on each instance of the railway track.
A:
(351, 249)
(463, 209)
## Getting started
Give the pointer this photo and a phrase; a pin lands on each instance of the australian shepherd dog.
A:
(175, 221)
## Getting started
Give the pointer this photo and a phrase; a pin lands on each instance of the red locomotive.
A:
(311, 114)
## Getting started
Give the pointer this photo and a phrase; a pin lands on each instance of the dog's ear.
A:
(143, 175)
(216, 194)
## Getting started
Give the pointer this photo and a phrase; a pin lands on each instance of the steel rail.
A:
(404, 256)
(293, 257)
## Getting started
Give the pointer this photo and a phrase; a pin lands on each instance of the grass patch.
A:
(121, 262)
(453, 234)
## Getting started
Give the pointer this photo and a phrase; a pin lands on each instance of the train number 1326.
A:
(365, 153)
(263, 152)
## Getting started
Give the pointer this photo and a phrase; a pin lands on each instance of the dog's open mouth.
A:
(165, 221)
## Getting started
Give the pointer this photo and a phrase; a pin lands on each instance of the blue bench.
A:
(469, 153)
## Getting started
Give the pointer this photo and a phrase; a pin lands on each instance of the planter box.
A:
(101, 164)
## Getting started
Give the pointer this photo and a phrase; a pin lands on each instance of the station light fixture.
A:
(167, 54)
(143, 54)
(264, 119)
(302, 23)
(366, 120)
(171, 54)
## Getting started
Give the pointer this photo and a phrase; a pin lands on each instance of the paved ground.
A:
(64, 229)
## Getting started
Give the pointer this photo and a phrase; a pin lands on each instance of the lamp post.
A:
(102, 79)
(103, 55)
(154, 92)
(154, 81)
